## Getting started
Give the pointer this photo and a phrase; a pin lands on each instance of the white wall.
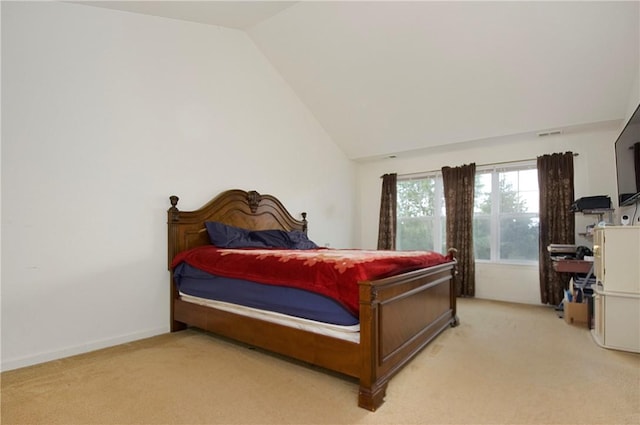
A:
(594, 175)
(634, 97)
(105, 114)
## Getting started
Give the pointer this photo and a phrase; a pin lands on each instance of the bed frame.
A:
(399, 315)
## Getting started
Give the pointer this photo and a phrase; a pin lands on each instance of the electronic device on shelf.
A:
(561, 251)
(588, 203)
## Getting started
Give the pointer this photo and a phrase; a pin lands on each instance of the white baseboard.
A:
(10, 364)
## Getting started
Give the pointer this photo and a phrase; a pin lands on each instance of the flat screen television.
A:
(628, 161)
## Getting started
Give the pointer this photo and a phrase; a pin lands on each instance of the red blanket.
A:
(331, 272)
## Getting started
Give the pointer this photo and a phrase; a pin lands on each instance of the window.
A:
(506, 214)
(420, 214)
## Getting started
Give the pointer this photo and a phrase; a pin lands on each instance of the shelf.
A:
(599, 211)
(572, 266)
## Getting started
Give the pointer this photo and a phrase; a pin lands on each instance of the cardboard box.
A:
(576, 313)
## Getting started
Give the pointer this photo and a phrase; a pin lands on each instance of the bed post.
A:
(173, 218)
(453, 289)
(372, 390)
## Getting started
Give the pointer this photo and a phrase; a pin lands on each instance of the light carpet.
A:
(505, 364)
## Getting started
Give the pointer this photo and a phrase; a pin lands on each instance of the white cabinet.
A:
(617, 292)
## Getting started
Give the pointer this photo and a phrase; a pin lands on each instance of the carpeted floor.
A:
(504, 364)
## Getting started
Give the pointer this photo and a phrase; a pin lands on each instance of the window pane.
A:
(528, 189)
(443, 230)
(528, 180)
(417, 208)
(532, 201)
(482, 200)
(509, 198)
(482, 237)
(415, 198)
(518, 191)
(519, 238)
(415, 234)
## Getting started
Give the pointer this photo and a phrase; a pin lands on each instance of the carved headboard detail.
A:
(249, 210)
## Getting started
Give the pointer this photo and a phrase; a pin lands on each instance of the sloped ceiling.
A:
(231, 14)
(394, 77)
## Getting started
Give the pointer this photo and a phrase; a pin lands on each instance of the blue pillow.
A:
(294, 239)
(299, 240)
(271, 238)
(225, 236)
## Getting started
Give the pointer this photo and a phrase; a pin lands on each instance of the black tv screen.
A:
(628, 161)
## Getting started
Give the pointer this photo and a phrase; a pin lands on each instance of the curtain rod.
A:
(481, 165)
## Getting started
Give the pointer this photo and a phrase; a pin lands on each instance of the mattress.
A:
(285, 300)
(347, 333)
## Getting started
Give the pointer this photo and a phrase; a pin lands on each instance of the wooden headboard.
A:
(249, 210)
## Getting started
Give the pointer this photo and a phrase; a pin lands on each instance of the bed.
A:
(396, 315)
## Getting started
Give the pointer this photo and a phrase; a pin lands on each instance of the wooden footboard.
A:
(398, 317)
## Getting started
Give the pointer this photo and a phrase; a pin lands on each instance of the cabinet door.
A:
(617, 258)
(622, 322)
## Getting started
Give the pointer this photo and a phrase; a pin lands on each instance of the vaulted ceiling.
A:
(389, 77)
